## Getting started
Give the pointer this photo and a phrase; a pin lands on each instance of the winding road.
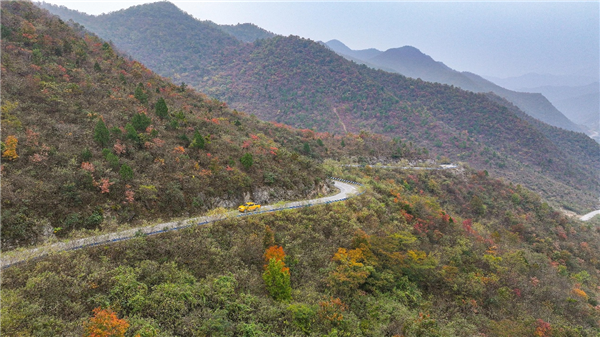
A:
(347, 189)
(589, 215)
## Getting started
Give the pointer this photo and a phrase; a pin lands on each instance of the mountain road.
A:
(346, 188)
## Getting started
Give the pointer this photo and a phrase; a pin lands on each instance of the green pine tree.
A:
(198, 141)
(140, 94)
(247, 160)
(101, 133)
(131, 133)
(126, 172)
(140, 121)
(306, 149)
(161, 108)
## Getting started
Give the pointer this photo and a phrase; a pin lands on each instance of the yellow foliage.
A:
(580, 293)
(10, 151)
(349, 257)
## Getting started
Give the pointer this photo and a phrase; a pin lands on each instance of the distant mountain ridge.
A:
(410, 61)
(363, 54)
(533, 80)
(580, 103)
(299, 82)
(245, 32)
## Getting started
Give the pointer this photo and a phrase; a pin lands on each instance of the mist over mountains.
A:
(411, 62)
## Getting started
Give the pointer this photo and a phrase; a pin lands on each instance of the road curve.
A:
(347, 189)
(589, 215)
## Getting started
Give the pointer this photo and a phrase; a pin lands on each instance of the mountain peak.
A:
(153, 9)
(409, 61)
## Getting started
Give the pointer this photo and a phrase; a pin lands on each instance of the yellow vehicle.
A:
(248, 207)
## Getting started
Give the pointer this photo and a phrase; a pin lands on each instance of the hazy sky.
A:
(500, 39)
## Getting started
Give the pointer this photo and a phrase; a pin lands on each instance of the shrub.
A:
(277, 280)
(140, 121)
(116, 131)
(185, 139)
(131, 133)
(269, 177)
(247, 160)
(105, 152)
(302, 316)
(112, 160)
(105, 323)
(306, 148)
(277, 275)
(126, 172)
(72, 221)
(86, 155)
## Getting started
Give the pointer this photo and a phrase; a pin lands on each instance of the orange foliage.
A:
(87, 166)
(129, 195)
(580, 293)
(274, 252)
(105, 323)
(332, 310)
(158, 142)
(119, 148)
(349, 257)
(179, 150)
(104, 185)
(10, 151)
(543, 329)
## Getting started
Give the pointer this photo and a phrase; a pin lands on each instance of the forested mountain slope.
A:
(410, 61)
(297, 81)
(87, 139)
(174, 43)
(92, 140)
(300, 82)
(429, 253)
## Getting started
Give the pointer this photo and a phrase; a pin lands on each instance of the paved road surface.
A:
(589, 215)
(346, 191)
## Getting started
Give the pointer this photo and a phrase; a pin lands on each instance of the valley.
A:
(129, 139)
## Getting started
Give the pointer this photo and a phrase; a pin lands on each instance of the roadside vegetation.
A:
(423, 253)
